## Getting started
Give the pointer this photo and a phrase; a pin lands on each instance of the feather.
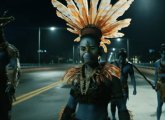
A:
(85, 3)
(117, 11)
(73, 31)
(74, 12)
(115, 35)
(64, 10)
(112, 10)
(72, 7)
(93, 11)
(121, 10)
(77, 39)
(70, 75)
(105, 41)
(102, 7)
(66, 19)
(73, 28)
(104, 13)
(113, 70)
(116, 6)
(77, 15)
(116, 26)
(104, 46)
(82, 10)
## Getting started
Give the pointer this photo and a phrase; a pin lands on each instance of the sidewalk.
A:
(144, 104)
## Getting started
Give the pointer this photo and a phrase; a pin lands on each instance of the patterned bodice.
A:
(99, 86)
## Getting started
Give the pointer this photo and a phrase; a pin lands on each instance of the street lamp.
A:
(113, 49)
(52, 28)
(118, 39)
(39, 43)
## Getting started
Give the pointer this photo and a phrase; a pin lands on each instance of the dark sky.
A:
(146, 30)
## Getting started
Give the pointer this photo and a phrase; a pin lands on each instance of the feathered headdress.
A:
(100, 20)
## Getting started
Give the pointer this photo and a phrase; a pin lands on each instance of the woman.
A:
(92, 83)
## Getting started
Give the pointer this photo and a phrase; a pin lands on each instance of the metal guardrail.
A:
(146, 65)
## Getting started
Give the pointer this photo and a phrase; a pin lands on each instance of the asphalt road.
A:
(40, 96)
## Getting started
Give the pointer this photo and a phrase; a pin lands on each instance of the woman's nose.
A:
(87, 49)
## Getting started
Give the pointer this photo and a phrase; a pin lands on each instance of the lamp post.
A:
(128, 48)
(39, 46)
(39, 43)
(73, 54)
(114, 51)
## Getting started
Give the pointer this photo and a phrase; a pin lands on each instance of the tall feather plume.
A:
(59, 14)
(103, 7)
(116, 27)
(115, 35)
(64, 10)
(117, 11)
(103, 15)
(82, 10)
(77, 16)
(86, 11)
(121, 10)
(112, 10)
(93, 11)
(76, 31)
(73, 31)
(119, 24)
(74, 12)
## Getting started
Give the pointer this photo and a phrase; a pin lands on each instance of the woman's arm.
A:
(69, 109)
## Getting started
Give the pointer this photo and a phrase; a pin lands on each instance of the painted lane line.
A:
(34, 93)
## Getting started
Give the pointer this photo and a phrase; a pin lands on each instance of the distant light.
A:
(52, 28)
(113, 49)
(118, 39)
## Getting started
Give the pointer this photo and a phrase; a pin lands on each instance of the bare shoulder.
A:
(112, 69)
(71, 74)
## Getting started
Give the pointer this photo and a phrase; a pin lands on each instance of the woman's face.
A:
(89, 50)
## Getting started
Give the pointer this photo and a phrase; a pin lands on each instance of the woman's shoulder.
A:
(71, 74)
(111, 69)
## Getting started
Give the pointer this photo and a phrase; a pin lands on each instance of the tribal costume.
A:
(93, 83)
(9, 55)
(160, 81)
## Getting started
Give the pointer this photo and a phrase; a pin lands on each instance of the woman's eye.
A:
(83, 48)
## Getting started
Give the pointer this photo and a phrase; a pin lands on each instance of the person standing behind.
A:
(126, 68)
(9, 55)
(160, 81)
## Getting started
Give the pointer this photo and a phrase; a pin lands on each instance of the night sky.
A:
(145, 32)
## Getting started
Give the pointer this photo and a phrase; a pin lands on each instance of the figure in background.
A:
(9, 56)
(160, 81)
(126, 68)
